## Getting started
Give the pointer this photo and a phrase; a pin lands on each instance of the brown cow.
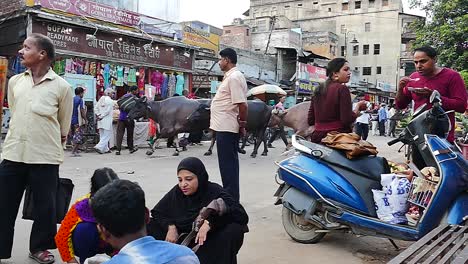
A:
(295, 118)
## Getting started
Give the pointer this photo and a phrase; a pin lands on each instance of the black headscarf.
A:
(178, 209)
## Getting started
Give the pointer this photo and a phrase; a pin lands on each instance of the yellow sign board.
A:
(201, 39)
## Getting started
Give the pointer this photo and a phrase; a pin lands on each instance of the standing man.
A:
(41, 106)
(392, 115)
(76, 130)
(125, 124)
(430, 77)
(229, 119)
(382, 119)
(103, 110)
(362, 122)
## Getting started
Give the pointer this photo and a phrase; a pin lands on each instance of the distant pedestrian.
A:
(125, 124)
(77, 127)
(362, 124)
(41, 105)
(382, 119)
(229, 120)
(279, 131)
(392, 116)
(103, 110)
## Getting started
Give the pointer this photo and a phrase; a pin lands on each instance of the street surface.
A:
(267, 242)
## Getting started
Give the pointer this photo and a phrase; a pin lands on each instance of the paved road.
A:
(267, 241)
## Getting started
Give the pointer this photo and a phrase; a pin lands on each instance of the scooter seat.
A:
(370, 167)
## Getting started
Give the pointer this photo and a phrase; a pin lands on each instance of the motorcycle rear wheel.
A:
(299, 229)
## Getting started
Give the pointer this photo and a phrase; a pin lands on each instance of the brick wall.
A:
(8, 6)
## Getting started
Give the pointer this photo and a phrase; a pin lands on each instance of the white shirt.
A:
(104, 109)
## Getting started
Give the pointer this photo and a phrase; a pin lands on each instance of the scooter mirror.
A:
(435, 97)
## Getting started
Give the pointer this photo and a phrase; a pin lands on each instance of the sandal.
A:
(43, 257)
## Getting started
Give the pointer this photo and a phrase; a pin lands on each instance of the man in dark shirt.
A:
(124, 123)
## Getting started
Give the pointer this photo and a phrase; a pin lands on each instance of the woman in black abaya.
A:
(220, 235)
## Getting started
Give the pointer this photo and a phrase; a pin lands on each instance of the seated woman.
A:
(331, 106)
(78, 234)
(221, 234)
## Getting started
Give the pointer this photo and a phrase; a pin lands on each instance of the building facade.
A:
(371, 34)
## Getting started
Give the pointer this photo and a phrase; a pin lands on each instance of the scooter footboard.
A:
(458, 213)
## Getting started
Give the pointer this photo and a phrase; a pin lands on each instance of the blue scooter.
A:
(322, 191)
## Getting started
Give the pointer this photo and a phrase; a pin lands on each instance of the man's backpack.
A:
(126, 103)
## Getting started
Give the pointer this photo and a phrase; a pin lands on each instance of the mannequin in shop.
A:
(164, 87)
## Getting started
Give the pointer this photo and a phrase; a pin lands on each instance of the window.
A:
(355, 50)
(286, 6)
(343, 51)
(329, 9)
(247, 32)
(379, 70)
(356, 68)
(376, 49)
(343, 29)
(315, 3)
(384, 2)
(371, 3)
(366, 70)
(367, 27)
(344, 6)
(365, 49)
(299, 4)
(357, 5)
(227, 31)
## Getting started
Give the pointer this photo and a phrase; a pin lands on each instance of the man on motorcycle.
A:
(429, 77)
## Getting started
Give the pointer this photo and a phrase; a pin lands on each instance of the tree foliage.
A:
(446, 29)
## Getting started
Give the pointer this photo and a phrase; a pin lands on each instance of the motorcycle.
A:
(322, 191)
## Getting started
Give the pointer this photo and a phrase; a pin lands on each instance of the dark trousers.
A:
(391, 129)
(382, 127)
(227, 144)
(43, 180)
(279, 132)
(121, 126)
(362, 130)
(87, 242)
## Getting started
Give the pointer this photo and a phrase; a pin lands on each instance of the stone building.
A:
(372, 34)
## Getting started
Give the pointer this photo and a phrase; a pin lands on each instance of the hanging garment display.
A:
(86, 67)
(113, 75)
(180, 84)
(68, 65)
(164, 86)
(92, 69)
(120, 76)
(157, 80)
(106, 76)
(150, 91)
(132, 80)
(125, 75)
(171, 85)
(141, 78)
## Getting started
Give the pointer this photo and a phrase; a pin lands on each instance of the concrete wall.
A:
(253, 65)
(323, 43)
(279, 38)
(7, 6)
(238, 36)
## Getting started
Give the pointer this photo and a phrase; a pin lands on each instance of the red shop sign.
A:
(110, 46)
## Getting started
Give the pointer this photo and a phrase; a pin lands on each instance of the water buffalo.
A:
(257, 121)
(295, 118)
(174, 115)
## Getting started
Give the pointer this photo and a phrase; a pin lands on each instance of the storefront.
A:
(308, 78)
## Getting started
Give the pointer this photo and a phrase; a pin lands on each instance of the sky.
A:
(221, 12)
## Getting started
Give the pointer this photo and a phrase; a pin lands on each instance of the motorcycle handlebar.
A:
(393, 142)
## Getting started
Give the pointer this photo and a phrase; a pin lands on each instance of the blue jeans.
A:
(227, 144)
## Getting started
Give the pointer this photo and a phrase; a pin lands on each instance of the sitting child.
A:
(78, 235)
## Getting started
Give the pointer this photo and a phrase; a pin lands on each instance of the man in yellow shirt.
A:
(229, 120)
(41, 107)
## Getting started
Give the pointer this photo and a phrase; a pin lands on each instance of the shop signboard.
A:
(92, 9)
(68, 38)
(203, 81)
(309, 77)
(201, 39)
(386, 87)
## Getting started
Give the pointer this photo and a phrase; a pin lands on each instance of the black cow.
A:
(257, 122)
(173, 115)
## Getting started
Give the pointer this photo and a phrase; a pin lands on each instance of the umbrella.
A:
(266, 88)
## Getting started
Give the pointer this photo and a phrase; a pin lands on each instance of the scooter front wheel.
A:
(299, 229)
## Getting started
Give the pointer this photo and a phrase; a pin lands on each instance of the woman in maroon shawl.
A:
(331, 106)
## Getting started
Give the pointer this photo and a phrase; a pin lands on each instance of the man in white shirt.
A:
(362, 123)
(104, 110)
(393, 121)
(229, 120)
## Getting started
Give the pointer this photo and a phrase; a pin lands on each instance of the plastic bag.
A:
(391, 202)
